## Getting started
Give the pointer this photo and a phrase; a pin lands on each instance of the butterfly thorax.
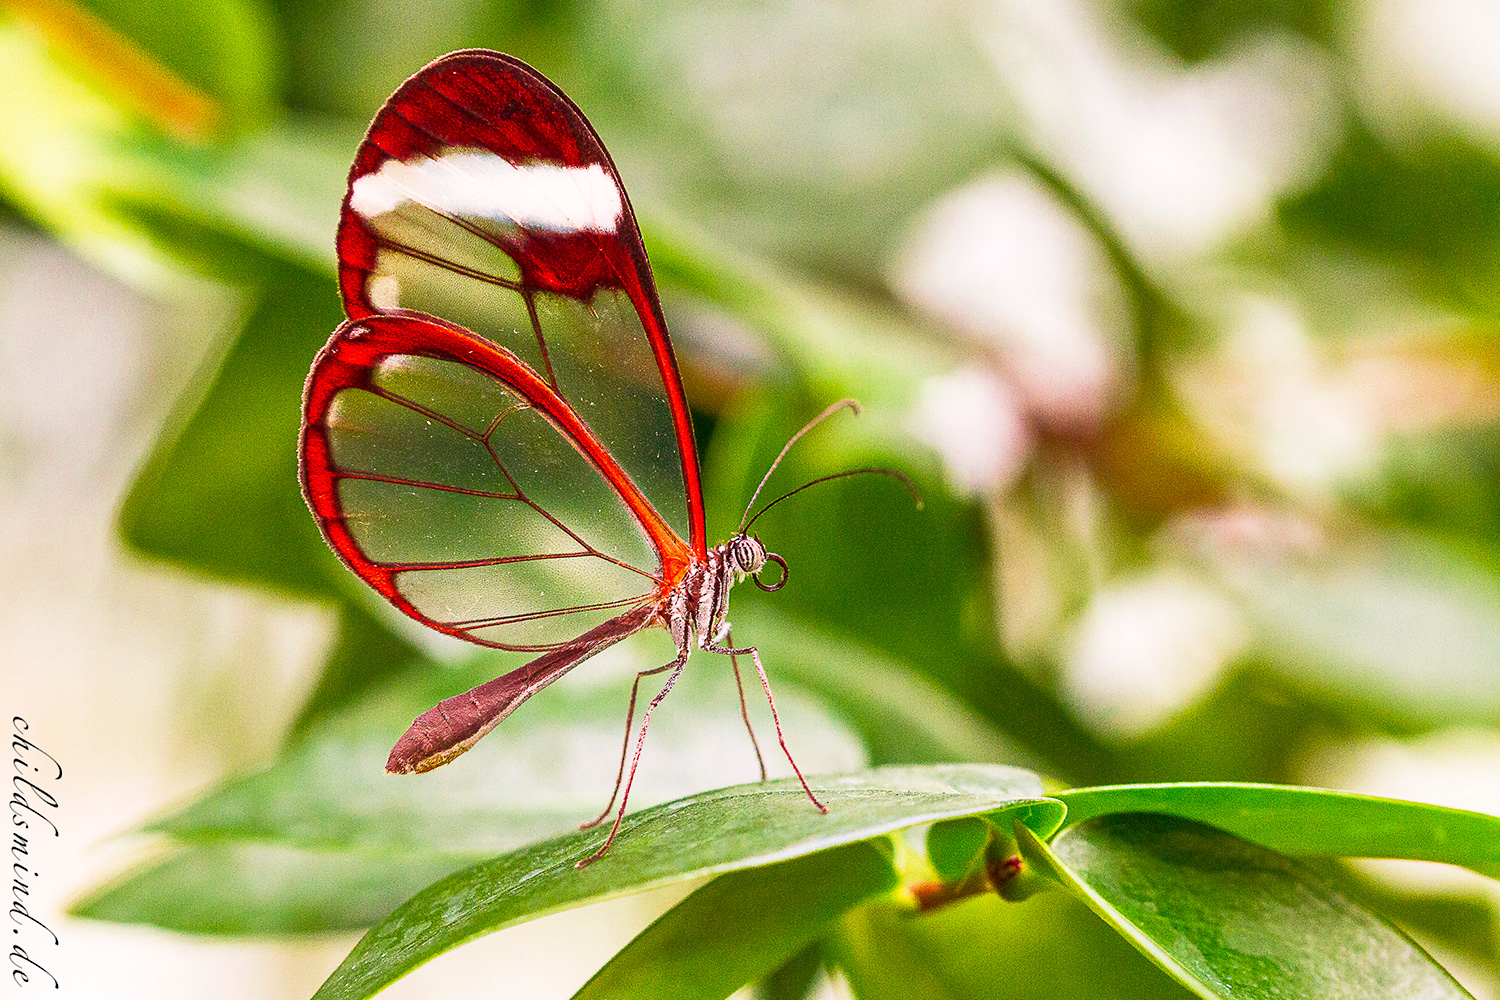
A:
(695, 609)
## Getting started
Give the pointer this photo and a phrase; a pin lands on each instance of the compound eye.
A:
(746, 556)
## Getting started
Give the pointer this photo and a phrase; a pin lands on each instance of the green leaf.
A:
(796, 977)
(986, 948)
(956, 847)
(1310, 821)
(1404, 627)
(221, 497)
(1463, 922)
(726, 830)
(225, 47)
(245, 888)
(742, 926)
(1227, 918)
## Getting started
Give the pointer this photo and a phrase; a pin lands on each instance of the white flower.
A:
(975, 423)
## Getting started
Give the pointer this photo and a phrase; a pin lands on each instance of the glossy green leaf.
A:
(1229, 919)
(1310, 821)
(726, 830)
(741, 926)
(1462, 922)
(249, 888)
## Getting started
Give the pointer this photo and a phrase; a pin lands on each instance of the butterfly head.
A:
(748, 555)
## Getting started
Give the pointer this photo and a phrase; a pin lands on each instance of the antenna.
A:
(911, 488)
(815, 421)
(746, 521)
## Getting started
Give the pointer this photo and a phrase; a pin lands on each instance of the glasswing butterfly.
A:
(497, 440)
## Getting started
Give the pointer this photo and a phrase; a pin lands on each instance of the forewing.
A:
(453, 479)
(483, 196)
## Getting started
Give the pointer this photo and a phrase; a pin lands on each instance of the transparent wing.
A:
(454, 480)
(482, 196)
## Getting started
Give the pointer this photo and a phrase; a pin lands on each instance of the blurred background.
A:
(1185, 314)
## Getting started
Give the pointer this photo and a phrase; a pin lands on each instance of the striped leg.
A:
(625, 746)
(635, 760)
(765, 683)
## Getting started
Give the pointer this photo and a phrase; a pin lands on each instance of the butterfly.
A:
(497, 440)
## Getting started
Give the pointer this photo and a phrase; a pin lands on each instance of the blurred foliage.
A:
(1200, 29)
(1198, 381)
(1433, 209)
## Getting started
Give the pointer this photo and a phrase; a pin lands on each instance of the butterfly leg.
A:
(734, 663)
(640, 741)
(625, 747)
(765, 683)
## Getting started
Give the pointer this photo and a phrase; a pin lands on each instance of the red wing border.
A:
(350, 361)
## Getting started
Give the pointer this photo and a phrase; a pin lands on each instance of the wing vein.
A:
(483, 439)
(541, 341)
(430, 414)
(579, 539)
(416, 567)
(549, 613)
(445, 263)
(421, 484)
